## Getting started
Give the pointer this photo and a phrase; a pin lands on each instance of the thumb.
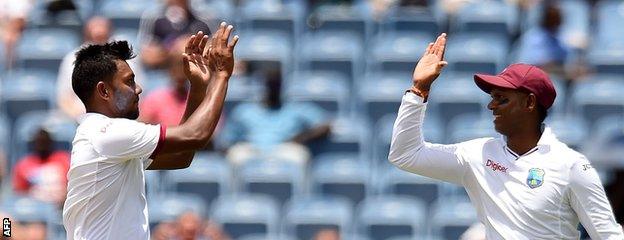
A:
(442, 64)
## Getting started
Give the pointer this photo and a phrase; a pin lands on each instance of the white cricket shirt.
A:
(542, 194)
(106, 184)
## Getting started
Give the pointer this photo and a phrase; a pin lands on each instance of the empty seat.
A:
(28, 210)
(605, 146)
(470, 126)
(451, 217)
(571, 129)
(208, 177)
(354, 18)
(241, 89)
(341, 174)
(244, 214)
(45, 48)
(272, 15)
(476, 52)
(327, 89)
(265, 48)
(606, 98)
(279, 179)
(382, 217)
(609, 12)
(381, 93)
(347, 134)
(496, 17)
(607, 56)
(393, 180)
(168, 206)
(126, 14)
(398, 51)
(413, 19)
(305, 216)
(217, 10)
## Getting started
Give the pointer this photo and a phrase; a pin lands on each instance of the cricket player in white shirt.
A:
(525, 185)
(106, 188)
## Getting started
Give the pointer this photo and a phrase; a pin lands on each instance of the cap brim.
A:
(487, 82)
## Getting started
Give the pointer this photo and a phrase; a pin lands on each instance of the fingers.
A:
(232, 43)
(188, 49)
(440, 44)
(202, 44)
(198, 38)
(428, 49)
(225, 35)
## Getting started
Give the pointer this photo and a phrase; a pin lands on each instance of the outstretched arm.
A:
(208, 69)
(408, 149)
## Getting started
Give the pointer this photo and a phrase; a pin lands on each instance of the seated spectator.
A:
(13, 15)
(272, 128)
(97, 30)
(43, 173)
(161, 31)
(541, 45)
(327, 234)
(189, 226)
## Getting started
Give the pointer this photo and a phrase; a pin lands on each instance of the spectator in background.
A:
(160, 33)
(327, 234)
(13, 15)
(541, 45)
(97, 30)
(272, 128)
(43, 173)
(189, 226)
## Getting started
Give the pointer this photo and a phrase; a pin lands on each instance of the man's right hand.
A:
(429, 67)
(221, 52)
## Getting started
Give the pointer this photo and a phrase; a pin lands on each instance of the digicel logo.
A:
(495, 166)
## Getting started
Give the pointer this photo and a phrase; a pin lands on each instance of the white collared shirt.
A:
(106, 183)
(542, 194)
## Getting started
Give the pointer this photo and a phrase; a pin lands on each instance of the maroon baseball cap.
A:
(521, 76)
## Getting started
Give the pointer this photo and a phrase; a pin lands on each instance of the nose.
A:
(491, 105)
(138, 89)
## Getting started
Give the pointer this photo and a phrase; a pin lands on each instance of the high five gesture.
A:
(202, 60)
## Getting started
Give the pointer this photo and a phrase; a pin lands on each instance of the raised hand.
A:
(430, 64)
(221, 52)
(196, 61)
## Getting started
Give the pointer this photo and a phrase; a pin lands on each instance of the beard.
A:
(127, 105)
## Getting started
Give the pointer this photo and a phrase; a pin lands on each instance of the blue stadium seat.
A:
(605, 146)
(61, 128)
(5, 136)
(45, 48)
(413, 19)
(28, 210)
(470, 126)
(263, 47)
(261, 236)
(126, 14)
(398, 51)
(382, 217)
(495, 17)
(272, 15)
(208, 176)
(570, 129)
(356, 18)
(276, 178)
(221, 10)
(451, 217)
(40, 17)
(575, 22)
(305, 216)
(606, 98)
(348, 134)
(393, 180)
(241, 89)
(332, 50)
(168, 206)
(128, 34)
(381, 93)
(244, 214)
(476, 52)
(609, 12)
(343, 175)
(327, 89)
(606, 56)
(25, 91)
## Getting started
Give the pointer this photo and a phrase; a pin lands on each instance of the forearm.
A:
(311, 134)
(197, 93)
(204, 120)
(407, 135)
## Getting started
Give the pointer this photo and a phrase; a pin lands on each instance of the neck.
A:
(523, 140)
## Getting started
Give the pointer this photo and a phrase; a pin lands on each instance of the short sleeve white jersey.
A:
(106, 184)
(542, 194)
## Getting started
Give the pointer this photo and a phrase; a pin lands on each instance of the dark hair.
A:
(542, 113)
(95, 63)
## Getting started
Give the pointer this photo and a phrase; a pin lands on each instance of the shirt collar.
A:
(84, 116)
(546, 139)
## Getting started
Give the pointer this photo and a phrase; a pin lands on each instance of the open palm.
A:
(431, 63)
(196, 60)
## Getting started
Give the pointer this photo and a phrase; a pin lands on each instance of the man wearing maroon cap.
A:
(524, 185)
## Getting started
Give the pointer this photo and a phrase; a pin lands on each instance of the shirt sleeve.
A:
(410, 152)
(20, 181)
(127, 139)
(589, 201)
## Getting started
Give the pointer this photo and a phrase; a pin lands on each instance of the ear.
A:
(102, 90)
(531, 102)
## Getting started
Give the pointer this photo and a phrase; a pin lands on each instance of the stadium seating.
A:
(45, 48)
(25, 91)
(570, 129)
(241, 214)
(348, 134)
(341, 174)
(385, 216)
(264, 49)
(397, 51)
(451, 217)
(214, 10)
(604, 147)
(128, 34)
(208, 176)
(380, 93)
(476, 53)
(355, 18)
(494, 17)
(575, 24)
(327, 89)
(28, 210)
(470, 126)
(412, 19)
(168, 206)
(606, 56)
(261, 236)
(279, 179)
(272, 15)
(126, 14)
(305, 216)
(609, 12)
(606, 98)
(392, 180)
